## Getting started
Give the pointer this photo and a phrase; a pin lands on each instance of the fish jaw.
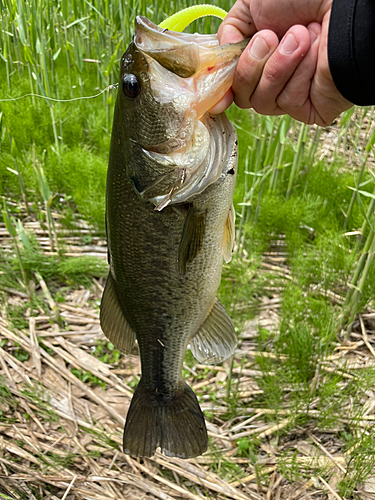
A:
(205, 70)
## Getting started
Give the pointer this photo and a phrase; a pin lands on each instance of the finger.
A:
(237, 25)
(294, 99)
(230, 33)
(279, 68)
(250, 66)
(223, 104)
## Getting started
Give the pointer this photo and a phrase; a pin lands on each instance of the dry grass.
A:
(60, 438)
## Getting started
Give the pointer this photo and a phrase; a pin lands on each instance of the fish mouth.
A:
(207, 68)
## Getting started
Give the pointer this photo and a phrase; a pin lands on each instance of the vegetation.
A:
(305, 249)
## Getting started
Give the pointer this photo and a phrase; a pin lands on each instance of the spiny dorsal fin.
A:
(216, 339)
(112, 319)
(229, 234)
(192, 238)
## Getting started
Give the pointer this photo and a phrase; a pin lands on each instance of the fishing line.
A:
(110, 87)
(176, 22)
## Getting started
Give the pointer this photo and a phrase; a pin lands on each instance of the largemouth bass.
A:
(170, 224)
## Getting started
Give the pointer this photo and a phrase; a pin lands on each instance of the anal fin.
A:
(216, 340)
(112, 320)
(192, 238)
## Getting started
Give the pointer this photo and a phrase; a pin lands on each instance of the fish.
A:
(170, 225)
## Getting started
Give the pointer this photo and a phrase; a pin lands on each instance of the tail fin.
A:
(176, 424)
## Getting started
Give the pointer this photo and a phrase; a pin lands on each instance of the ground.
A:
(64, 393)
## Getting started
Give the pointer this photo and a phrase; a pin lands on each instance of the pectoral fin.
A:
(112, 320)
(216, 339)
(191, 239)
(158, 186)
(229, 234)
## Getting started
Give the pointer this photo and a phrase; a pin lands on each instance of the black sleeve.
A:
(351, 49)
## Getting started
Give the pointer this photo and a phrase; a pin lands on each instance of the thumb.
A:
(237, 25)
(228, 33)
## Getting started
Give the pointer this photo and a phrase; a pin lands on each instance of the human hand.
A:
(291, 77)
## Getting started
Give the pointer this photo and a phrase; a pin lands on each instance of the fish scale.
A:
(168, 228)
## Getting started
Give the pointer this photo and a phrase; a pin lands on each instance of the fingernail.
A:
(288, 45)
(259, 48)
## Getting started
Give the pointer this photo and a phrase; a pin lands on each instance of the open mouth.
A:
(198, 65)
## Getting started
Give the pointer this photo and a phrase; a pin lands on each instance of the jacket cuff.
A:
(351, 49)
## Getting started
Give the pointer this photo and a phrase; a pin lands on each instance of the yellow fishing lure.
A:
(180, 20)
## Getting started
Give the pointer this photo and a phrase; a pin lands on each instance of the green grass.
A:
(88, 377)
(29, 266)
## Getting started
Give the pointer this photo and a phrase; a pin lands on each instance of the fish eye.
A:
(131, 86)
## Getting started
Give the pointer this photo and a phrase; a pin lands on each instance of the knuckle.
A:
(271, 74)
(273, 70)
(243, 102)
(291, 99)
(243, 76)
(263, 106)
